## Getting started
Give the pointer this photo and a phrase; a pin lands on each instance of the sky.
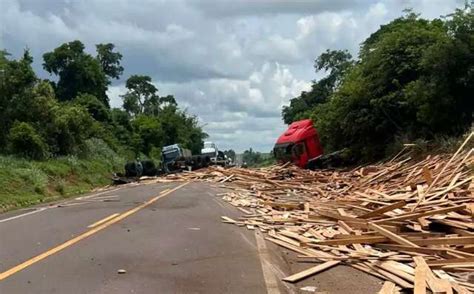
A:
(232, 63)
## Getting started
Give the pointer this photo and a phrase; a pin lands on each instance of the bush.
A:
(25, 141)
(94, 106)
(72, 125)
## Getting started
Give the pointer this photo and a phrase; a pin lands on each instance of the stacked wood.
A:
(408, 223)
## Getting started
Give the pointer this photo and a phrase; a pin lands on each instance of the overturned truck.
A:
(175, 158)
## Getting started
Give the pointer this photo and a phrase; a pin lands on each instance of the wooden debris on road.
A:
(407, 222)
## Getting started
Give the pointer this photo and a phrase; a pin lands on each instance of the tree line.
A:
(413, 79)
(45, 118)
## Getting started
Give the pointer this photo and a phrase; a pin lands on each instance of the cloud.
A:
(233, 63)
(230, 8)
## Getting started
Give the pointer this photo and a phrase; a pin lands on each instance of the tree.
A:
(442, 96)
(43, 118)
(70, 128)
(95, 108)
(142, 96)
(336, 63)
(109, 60)
(78, 72)
(251, 158)
(231, 154)
(24, 140)
(413, 80)
(17, 79)
(148, 134)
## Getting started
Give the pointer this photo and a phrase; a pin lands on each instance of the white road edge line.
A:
(271, 282)
(96, 194)
(24, 214)
(64, 204)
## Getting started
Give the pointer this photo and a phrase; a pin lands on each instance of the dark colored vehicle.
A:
(175, 158)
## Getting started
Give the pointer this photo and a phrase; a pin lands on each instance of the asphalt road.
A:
(168, 238)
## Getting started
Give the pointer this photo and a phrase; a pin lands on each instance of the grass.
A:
(420, 148)
(25, 182)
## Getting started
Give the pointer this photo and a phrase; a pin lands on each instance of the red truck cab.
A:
(298, 144)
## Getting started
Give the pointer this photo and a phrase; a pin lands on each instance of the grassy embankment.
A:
(25, 182)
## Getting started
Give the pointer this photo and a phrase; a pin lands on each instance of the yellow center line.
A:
(103, 220)
(92, 231)
(164, 191)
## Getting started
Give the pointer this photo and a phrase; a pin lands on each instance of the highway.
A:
(156, 238)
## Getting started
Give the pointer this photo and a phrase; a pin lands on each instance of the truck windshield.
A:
(170, 155)
(283, 151)
(209, 145)
(210, 154)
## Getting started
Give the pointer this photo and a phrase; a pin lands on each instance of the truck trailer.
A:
(176, 158)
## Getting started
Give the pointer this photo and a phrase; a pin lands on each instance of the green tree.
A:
(148, 134)
(122, 127)
(33, 123)
(141, 97)
(17, 79)
(95, 108)
(442, 96)
(24, 140)
(70, 128)
(231, 154)
(413, 80)
(109, 60)
(251, 158)
(78, 72)
(335, 63)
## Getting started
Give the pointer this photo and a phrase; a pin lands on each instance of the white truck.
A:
(217, 157)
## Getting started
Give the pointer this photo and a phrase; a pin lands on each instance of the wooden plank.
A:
(449, 189)
(354, 239)
(458, 288)
(362, 267)
(396, 271)
(396, 238)
(445, 241)
(439, 263)
(228, 220)
(311, 271)
(289, 246)
(448, 163)
(420, 280)
(394, 278)
(384, 209)
(337, 216)
(422, 214)
(434, 283)
(427, 175)
(422, 250)
(387, 288)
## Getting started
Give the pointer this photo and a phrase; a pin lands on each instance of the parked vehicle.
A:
(217, 157)
(176, 158)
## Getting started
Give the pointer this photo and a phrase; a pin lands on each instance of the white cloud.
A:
(234, 63)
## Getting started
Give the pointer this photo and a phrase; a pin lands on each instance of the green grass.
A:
(25, 182)
(266, 161)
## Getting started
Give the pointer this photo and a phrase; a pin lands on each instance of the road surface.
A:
(157, 238)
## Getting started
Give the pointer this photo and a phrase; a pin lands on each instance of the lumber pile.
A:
(408, 223)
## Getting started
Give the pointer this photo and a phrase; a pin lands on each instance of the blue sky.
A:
(232, 63)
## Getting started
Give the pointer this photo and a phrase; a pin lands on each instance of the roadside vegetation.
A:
(257, 159)
(26, 182)
(60, 136)
(412, 82)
